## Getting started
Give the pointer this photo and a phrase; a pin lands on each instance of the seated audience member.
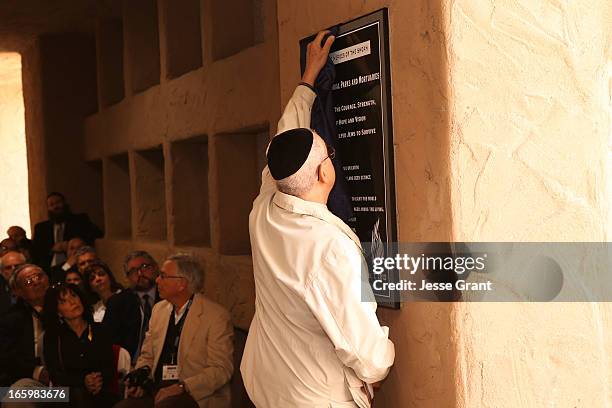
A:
(78, 352)
(127, 314)
(24, 245)
(51, 237)
(7, 245)
(21, 330)
(101, 283)
(188, 346)
(58, 272)
(74, 278)
(85, 257)
(8, 263)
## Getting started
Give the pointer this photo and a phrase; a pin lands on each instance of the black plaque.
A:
(362, 107)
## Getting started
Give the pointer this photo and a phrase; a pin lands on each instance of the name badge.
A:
(170, 372)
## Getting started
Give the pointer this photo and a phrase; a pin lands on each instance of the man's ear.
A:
(324, 175)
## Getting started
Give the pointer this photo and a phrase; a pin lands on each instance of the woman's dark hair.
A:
(51, 318)
(114, 285)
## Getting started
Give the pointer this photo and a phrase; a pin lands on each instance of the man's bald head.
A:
(9, 262)
(16, 233)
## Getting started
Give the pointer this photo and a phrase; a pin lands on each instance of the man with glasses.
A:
(128, 313)
(189, 344)
(8, 263)
(313, 340)
(21, 330)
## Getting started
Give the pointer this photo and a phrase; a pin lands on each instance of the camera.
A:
(141, 377)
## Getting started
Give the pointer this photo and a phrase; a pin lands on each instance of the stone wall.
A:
(14, 206)
(174, 120)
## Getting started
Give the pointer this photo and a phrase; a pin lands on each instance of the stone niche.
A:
(150, 194)
(190, 193)
(237, 186)
(109, 47)
(180, 27)
(117, 197)
(236, 25)
(95, 202)
(141, 34)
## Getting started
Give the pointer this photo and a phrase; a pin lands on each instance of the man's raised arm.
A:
(297, 111)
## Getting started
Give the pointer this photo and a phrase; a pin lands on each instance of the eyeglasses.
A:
(331, 155)
(139, 268)
(162, 275)
(33, 279)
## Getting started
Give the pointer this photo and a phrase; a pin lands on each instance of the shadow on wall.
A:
(424, 372)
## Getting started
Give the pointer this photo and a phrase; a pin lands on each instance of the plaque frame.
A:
(380, 18)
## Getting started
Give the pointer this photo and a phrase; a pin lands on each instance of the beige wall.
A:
(501, 123)
(530, 128)
(14, 206)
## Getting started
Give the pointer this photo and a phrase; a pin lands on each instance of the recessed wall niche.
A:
(141, 34)
(150, 205)
(95, 200)
(238, 182)
(117, 197)
(109, 47)
(180, 26)
(190, 192)
(236, 25)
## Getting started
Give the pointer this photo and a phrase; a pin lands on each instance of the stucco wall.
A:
(14, 206)
(530, 102)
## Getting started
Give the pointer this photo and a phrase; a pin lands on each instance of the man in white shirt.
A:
(313, 342)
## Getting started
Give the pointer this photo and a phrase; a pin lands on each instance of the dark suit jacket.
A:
(77, 225)
(5, 296)
(17, 345)
(122, 319)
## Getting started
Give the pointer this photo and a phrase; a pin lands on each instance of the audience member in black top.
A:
(78, 352)
(21, 328)
(127, 314)
(8, 263)
(51, 237)
(101, 284)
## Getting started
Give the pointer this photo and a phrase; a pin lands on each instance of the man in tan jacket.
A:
(188, 346)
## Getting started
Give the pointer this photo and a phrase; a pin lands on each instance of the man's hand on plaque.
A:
(316, 57)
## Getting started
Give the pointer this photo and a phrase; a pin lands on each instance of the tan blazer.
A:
(205, 354)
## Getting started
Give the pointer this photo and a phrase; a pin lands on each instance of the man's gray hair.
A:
(138, 254)
(84, 250)
(305, 178)
(16, 272)
(190, 268)
(12, 252)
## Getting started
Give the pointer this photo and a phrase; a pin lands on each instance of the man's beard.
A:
(60, 217)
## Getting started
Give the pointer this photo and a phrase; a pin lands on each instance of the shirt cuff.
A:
(308, 86)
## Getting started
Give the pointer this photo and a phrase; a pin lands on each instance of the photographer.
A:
(186, 357)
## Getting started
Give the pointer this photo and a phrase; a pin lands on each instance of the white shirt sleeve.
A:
(296, 115)
(334, 296)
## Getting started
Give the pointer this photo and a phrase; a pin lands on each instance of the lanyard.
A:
(179, 329)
